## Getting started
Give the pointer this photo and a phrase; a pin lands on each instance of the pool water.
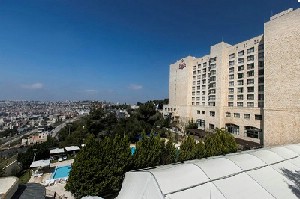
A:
(132, 150)
(61, 172)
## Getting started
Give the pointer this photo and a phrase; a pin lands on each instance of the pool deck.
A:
(58, 187)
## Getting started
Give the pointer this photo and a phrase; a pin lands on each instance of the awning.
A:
(57, 151)
(72, 148)
(40, 163)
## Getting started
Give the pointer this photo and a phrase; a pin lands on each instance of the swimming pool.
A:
(61, 172)
(133, 149)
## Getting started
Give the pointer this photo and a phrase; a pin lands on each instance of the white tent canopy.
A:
(40, 163)
(264, 173)
(57, 151)
(72, 148)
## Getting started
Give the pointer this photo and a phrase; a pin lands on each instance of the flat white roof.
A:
(7, 183)
(57, 151)
(40, 163)
(72, 148)
(264, 173)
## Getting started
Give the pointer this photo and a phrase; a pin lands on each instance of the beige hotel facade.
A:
(251, 88)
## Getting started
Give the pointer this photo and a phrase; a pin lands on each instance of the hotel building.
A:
(251, 88)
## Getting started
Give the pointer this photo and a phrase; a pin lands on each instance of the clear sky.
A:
(114, 50)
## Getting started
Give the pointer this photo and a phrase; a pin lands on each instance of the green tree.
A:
(220, 143)
(148, 152)
(168, 155)
(103, 171)
(188, 149)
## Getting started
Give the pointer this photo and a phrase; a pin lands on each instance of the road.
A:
(61, 126)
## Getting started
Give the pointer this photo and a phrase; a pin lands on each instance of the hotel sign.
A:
(182, 65)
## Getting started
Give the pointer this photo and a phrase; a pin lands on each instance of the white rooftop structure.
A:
(40, 163)
(72, 148)
(265, 173)
(57, 151)
(8, 186)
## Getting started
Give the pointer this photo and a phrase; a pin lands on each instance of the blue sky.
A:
(114, 50)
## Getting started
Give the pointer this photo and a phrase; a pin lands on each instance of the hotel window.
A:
(199, 65)
(212, 113)
(250, 66)
(250, 104)
(211, 126)
(232, 56)
(203, 98)
(250, 97)
(250, 81)
(204, 64)
(212, 79)
(198, 87)
(198, 82)
(231, 76)
(241, 60)
(240, 82)
(250, 89)
(250, 58)
(260, 104)
(228, 114)
(261, 88)
(198, 71)
(261, 64)
(230, 97)
(247, 116)
(193, 88)
(261, 72)
(203, 92)
(250, 50)
(261, 47)
(213, 72)
(250, 73)
(241, 53)
(240, 68)
(192, 103)
(198, 112)
(198, 76)
(203, 112)
(231, 90)
(260, 96)
(261, 55)
(231, 63)
(198, 92)
(230, 104)
(258, 117)
(240, 104)
(194, 72)
(193, 98)
(240, 90)
(240, 75)
(194, 82)
(193, 93)
(231, 70)
(237, 115)
(204, 70)
(194, 67)
(261, 80)
(194, 77)
(197, 98)
(197, 103)
(240, 97)
(231, 83)
(203, 103)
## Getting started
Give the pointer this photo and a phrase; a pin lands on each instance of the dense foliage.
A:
(100, 167)
(219, 143)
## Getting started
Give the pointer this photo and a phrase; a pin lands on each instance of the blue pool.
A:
(132, 150)
(61, 172)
